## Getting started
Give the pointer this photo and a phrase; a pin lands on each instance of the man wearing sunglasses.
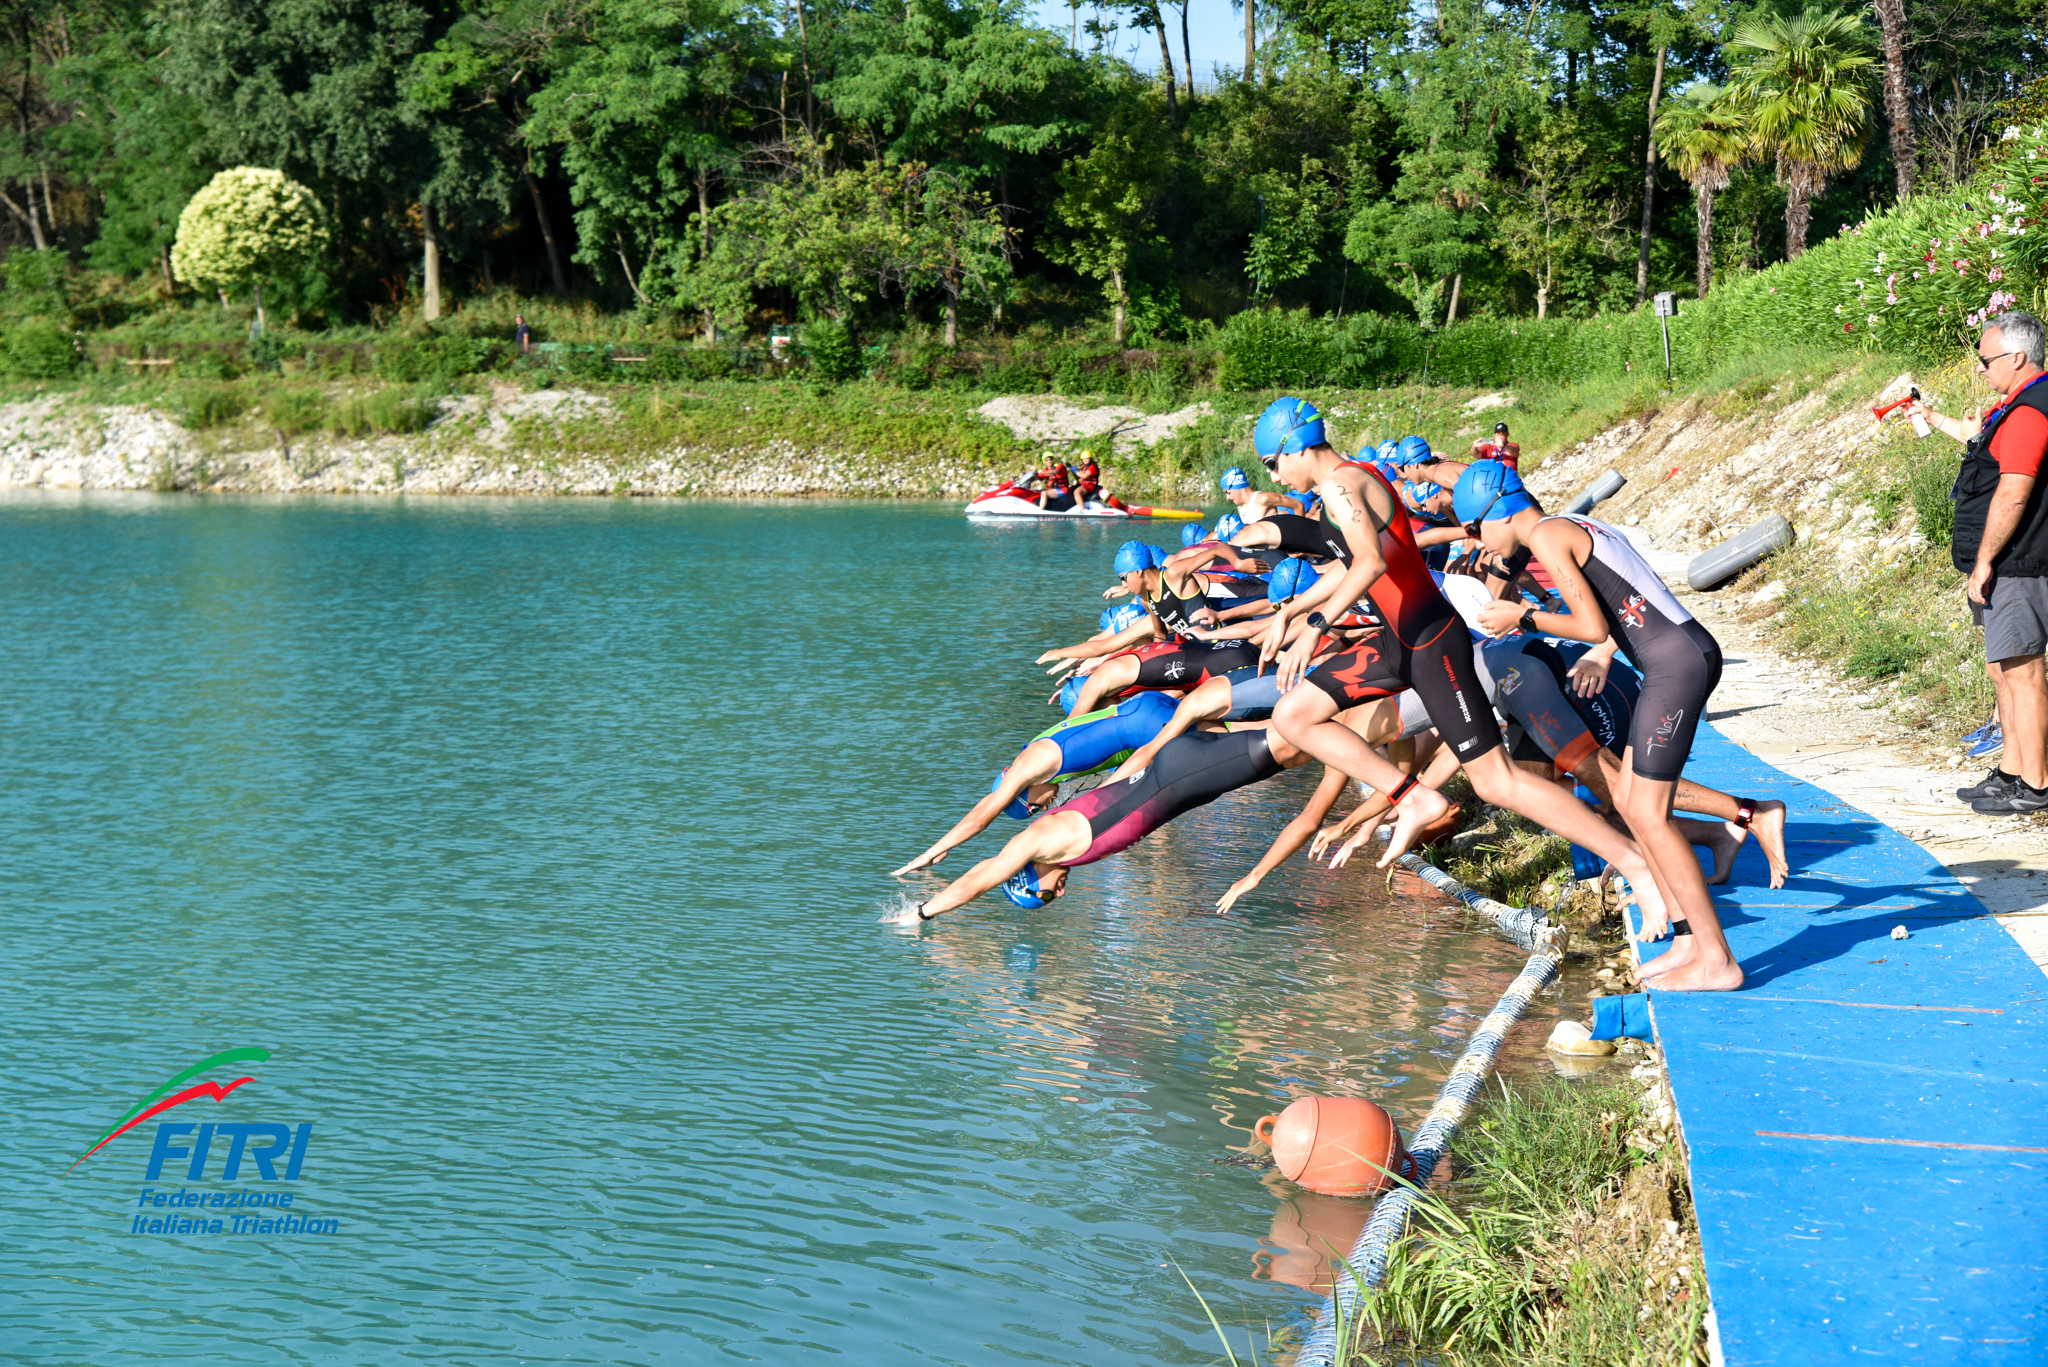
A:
(2001, 543)
(1417, 641)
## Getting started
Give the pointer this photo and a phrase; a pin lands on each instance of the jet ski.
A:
(1009, 502)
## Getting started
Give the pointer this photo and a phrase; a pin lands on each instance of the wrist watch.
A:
(1528, 622)
(1317, 620)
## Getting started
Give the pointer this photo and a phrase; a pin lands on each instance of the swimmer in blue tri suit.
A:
(1080, 745)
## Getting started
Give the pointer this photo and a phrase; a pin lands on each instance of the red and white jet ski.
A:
(1008, 502)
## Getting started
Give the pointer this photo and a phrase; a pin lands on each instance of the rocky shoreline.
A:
(507, 441)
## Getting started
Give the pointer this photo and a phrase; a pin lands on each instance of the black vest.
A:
(2026, 555)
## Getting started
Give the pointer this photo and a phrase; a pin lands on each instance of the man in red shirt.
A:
(2001, 543)
(1508, 453)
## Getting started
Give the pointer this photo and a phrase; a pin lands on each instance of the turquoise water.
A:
(544, 844)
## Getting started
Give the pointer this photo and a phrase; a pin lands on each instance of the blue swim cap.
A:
(1291, 576)
(1387, 448)
(1133, 556)
(1487, 492)
(1287, 425)
(1022, 888)
(1070, 694)
(1234, 478)
(1409, 450)
(1228, 525)
(1158, 556)
(1019, 809)
(1388, 471)
(1192, 533)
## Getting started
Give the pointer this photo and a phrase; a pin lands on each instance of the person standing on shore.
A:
(2001, 543)
(1499, 448)
(522, 335)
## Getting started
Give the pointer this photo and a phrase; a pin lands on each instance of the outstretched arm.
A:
(1137, 633)
(1296, 834)
(1051, 838)
(1023, 772)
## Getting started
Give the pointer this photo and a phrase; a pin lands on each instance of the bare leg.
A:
(1306, 719)
(1119, 673)
(2023, 706)
(1702, 960)
(1502, 784)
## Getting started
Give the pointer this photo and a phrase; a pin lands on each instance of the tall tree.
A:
(1898, 109)
(1649, 180)
(1804, 86)
(1704, 138)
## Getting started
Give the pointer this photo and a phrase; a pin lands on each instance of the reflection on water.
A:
(544, 842)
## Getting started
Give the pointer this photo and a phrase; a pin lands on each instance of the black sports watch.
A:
(1528, 622)
(1317, 620)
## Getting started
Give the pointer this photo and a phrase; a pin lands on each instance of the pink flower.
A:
(1848, 327)
(1891, 298)
(1962, 267)
(1996, 274)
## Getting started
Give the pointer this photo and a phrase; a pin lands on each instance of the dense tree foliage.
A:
(720, 163)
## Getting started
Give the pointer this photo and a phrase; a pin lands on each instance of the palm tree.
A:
(1705, 137)
(1805, 89)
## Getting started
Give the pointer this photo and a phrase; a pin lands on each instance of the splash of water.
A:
(900, 910)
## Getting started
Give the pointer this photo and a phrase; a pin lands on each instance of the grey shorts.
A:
(2015, 622)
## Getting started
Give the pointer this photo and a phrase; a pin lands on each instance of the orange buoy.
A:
(1337, 1145)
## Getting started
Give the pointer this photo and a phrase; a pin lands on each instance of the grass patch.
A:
(1552, 1247)
(1558, 1242)
(1501, 854)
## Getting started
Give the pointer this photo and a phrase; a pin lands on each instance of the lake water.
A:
(543, 843)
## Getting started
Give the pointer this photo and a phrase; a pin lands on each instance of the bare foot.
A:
(1728, 838)
(1702, 974)
(1769, 825)
(1678, 956)
(1656, 917)
(1418, 809)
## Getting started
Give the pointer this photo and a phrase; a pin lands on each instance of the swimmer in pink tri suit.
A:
(1418, 642)
(1190, 771)
(1614, 594)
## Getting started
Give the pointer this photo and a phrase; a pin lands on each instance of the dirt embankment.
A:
(508, 440)
(1704, 470)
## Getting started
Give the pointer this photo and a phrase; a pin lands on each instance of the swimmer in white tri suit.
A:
(1613, 593)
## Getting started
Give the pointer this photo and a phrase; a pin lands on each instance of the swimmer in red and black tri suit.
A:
(1613, 592)
(1418, 642)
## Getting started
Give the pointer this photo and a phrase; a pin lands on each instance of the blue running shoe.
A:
(1981, 732)
(1990, 745)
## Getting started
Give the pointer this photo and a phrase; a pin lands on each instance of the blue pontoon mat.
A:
(1867, 1118)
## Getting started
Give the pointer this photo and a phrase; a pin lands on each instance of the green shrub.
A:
(206, 363)
(1884, 652)
(1928, 487)
(200, 406)
(835, 355)
(38, 284)
(40, 350)
(440, 359)
(589, 363)
(292, 411)
(387, 410)
(1275, 349)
